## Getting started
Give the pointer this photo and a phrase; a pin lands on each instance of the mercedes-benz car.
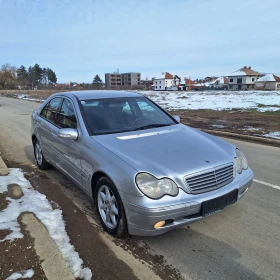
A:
(146, 172)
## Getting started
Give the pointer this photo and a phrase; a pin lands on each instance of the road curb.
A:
(261, 140)
(53, 262)
(4, 170)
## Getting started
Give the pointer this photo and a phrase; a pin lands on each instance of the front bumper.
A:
(183, 209)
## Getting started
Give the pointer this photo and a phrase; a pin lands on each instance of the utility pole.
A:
(189, 82)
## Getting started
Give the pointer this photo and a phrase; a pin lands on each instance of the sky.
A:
(190, 38)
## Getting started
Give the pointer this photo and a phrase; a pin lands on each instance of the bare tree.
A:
(8, 75)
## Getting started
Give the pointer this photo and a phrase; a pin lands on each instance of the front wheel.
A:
(39, 157)
(110, 208)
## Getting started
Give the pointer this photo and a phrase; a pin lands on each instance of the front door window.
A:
(66, 115)
(49, 112)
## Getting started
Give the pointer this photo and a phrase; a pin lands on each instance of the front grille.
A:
(210, 180)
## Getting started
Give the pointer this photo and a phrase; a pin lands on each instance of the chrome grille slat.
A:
(202, 180)
(221, 177)
(208, 190)
(225, 180)
(204, 186)
(210, 180)
(202, 176)
(224, 170)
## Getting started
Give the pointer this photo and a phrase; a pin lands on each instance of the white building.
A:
(219, 83)
(166, 81)
(243, 79)
(268, 82)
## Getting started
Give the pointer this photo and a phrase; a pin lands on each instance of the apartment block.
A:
(113, 80)
(117, 80)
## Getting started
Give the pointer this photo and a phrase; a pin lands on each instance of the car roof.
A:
(95, 94)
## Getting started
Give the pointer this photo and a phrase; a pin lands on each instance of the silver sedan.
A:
(146, 172)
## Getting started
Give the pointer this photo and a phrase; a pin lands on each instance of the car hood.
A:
(169, 151)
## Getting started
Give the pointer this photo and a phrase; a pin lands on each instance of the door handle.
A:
(54, 134)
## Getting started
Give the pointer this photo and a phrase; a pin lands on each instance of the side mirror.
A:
(177, 118)
(68, 133)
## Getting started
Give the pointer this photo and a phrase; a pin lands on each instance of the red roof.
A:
(168, 75)
(277, 79)
(189, 82)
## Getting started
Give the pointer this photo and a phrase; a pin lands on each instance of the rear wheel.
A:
(39, 157)
(110, 208)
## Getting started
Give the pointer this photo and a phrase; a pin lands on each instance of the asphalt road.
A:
(241, 242)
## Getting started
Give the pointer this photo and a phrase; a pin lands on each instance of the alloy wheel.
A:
(107, 206)
(38, 153)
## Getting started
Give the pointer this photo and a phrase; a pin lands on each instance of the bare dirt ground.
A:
(18, 255)
(250, 122)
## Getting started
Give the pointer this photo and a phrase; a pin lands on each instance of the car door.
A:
(47, 128)
(68, 151)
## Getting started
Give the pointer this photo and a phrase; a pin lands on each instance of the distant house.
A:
(243, 79)
(63, 86)
(192, 85)
(189, 84)
(219, 83)
(147, 84)
(166, 81)
(268, 82)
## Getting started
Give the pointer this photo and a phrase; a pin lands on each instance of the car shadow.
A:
(29, 152)
(199, 256)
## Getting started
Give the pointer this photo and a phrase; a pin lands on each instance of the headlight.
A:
(156, 188)
(240, 162)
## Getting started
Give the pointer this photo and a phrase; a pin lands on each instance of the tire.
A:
(110, 208)
(39, 157)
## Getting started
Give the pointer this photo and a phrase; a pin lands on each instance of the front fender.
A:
(97, 158)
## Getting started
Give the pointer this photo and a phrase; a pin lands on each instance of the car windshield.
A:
(114, 115)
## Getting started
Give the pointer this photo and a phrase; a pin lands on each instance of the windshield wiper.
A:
(151, 126)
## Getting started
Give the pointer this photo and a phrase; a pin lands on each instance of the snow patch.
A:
(26, 97)
(267, 78)
(35, 202)
(275, 135)
(250, 128)
(218, 125)
(21, 274)
(216, 100)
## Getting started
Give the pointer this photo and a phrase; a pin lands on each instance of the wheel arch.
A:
(34, 138)
(96, 176)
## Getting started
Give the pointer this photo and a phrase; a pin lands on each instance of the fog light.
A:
(159, 224)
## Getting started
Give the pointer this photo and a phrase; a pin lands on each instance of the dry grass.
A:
(39, 94)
